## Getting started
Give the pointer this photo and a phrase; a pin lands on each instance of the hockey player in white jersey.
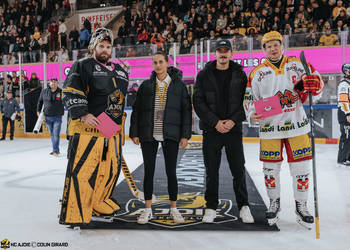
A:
(344, 117)
(284, 77)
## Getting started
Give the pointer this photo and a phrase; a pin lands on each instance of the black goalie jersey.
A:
(92, 88)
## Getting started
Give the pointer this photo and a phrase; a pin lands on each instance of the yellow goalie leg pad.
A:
(82, 171)
(107, 178)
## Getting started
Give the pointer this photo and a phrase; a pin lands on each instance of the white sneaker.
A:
(176, 215)
(245, 215)
(145, 216)
(209, 215)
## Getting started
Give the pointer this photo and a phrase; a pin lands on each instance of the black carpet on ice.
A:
(191, 203)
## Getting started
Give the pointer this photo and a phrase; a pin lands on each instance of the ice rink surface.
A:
(31, 185)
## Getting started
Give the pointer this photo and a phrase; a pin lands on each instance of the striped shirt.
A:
(159, 107)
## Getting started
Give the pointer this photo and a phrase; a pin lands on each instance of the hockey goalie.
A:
(94, 85)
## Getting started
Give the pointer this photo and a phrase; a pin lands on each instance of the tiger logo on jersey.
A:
(287, 99)
(115, 103)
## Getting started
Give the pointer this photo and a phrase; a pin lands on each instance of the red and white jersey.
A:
(267, 80)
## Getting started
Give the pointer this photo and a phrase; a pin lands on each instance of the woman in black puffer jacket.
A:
(162, 113)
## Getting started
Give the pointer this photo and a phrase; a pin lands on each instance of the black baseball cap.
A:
(223, 44)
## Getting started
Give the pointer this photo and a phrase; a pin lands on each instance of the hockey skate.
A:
(103, 217)
(304, 218)
(75, 227)
(345, 164)
(272, 214)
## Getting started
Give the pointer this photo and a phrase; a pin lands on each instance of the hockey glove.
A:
(312, 83)
(299, 88)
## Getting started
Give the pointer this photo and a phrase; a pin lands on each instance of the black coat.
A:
(52, 101)
(206, 97)
(177, 121)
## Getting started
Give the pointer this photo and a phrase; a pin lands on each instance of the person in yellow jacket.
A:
(329, 39)
(94, 85)
(336, 10)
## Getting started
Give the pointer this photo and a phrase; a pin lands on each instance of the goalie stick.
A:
(131, 183)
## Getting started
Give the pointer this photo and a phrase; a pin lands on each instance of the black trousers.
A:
(149, 153)
(344, 143)
(5, 120)
(213, 142)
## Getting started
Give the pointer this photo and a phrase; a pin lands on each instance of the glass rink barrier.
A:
(326, 51)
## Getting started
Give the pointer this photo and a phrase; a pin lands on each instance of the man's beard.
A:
(102, 59)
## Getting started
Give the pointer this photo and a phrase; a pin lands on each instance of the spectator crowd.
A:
(33, 26)
(163, 22)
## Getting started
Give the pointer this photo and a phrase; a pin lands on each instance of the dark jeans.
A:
(73, 45)
(54, 125)
(344, 143)
(63, 40)
(213, 142)
(5, 120)
(149, 153)
(84, 44)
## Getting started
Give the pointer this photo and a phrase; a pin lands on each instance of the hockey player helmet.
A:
(98, 36)
(270, 36)
(346, 69)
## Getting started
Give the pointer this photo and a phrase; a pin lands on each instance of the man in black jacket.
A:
(218, 101)
(73, 37)
(8, 107)
(51, 98)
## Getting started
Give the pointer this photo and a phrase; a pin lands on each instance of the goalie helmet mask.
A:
(346, 69)
(98, 36)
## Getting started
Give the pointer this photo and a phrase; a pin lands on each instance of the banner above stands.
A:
(331, 62)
